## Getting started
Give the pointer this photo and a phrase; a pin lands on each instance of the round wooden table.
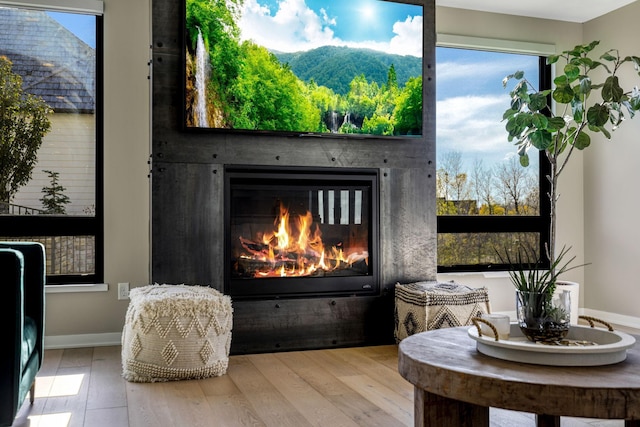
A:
(454, 384)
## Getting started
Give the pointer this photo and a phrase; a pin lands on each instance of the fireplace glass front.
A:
(298, 232)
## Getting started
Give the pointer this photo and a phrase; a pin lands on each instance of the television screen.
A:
(325, 67)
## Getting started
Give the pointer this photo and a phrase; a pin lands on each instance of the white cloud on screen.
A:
(295, 27)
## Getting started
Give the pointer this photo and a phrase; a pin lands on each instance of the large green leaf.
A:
(555, 123)
(572, 72)
(611, 91)
(585, 85)
(561, 80)
(508, 113)
(598, 115)
(577, 107)
(582, 141)
(537, 101)
(552, 59)
(540, 121)
(513, 128)
(563, 94)
(516, 104)
(524, 119)
(541, 139)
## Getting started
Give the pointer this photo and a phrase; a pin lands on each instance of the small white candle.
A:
(502, 323)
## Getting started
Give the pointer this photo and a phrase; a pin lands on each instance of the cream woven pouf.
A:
(175, 332)
(428, 305)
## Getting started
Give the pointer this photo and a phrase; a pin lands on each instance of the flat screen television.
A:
(298, 67)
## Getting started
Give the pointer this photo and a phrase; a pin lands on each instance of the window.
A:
(487, 203)
(56, 196)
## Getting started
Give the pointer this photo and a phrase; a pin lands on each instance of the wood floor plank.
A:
(76, 357)
(392, 403)
(68, 394)
(380, 371)
(147, 405)
(188, 403)
(51, 362)
(269, 404)
(307, 400)
(107, 417)
(106, 388)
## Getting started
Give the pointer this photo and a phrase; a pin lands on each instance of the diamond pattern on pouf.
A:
(169, 353)
(206, 352)
(410, 324)
(136, 346)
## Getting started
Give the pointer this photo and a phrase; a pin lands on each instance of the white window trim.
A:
(495, 45)
(76, 288)
(89, 7)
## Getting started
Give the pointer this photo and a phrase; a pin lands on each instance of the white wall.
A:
(611, 174)
(126, 186)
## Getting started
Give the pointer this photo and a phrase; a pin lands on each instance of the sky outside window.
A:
(83, 26)
(471, 101)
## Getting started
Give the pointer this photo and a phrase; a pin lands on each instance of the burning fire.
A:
(294, 250)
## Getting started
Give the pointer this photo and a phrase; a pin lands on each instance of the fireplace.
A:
(293, 232)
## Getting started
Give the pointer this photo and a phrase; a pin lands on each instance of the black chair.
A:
(22, 279)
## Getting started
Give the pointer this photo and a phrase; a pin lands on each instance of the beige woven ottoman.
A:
(175, 332)
(424, 306)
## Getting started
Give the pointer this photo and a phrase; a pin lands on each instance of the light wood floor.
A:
(339, 387)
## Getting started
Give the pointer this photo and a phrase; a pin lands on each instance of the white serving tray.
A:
(610, 347)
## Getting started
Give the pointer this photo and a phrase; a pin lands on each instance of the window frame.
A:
(43, 225)
(457, 224)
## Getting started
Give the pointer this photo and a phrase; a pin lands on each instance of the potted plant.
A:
(583, 107)
(541, 315)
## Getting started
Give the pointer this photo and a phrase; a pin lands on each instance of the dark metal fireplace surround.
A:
(188, 230)
(300, 232)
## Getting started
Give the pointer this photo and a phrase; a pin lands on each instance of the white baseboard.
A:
(82, 340)
(613, 318)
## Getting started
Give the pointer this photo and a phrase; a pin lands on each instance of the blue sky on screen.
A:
(300, 25)
(83, 26)
(471, 101)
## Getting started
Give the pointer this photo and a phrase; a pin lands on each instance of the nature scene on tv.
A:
(304, 66)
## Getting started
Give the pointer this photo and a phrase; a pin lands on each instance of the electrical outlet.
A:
(123, 291)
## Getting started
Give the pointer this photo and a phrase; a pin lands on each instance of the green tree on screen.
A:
(408, 112)
(269, 96)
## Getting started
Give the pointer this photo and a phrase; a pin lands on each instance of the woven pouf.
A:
(424, 306)
(175, 332)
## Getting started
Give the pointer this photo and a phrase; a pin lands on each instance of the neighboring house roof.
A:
(51, 60)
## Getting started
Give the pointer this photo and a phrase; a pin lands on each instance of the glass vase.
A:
(543, 317)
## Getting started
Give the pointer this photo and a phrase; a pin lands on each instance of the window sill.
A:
(92, 287)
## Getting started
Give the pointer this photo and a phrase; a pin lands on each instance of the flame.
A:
(294, 250)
